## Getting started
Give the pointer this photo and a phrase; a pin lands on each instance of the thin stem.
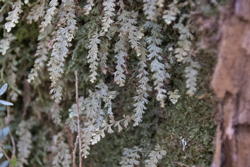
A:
(78, 119)
(5, 154)
(74, 152)
(13, 145)
(10, 134)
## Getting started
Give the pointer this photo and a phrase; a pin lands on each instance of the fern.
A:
(130, 157)
(55, 114)
(160, 4)
(184, 44)
(170, 15)
(157, 67)
(72, 119)
(93, 56)
(155, 156)
(96, 110)
(121, 54)
(96, 123)
(109, 9)
(50, 13)
(5, 43)
(128, 32)
(88, 7)
(150, 9)
(41, 58)
(36, 12)
(92, 110)
(191, 75)
(64, 35)
(62, 156)
(128, 27)
(115, 38)
(141, 99)
(174, 96)
(104, 52)
(24, 144)
(183, 54)
(13, 16)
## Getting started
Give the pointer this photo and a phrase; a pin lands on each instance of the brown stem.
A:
(74, 152)
(5, 154)
(78, 119)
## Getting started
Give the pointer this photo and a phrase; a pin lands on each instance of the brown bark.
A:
(231, 83)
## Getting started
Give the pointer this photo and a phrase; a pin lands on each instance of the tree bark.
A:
(231, 83)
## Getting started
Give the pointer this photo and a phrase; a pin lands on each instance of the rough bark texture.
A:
(231, 83)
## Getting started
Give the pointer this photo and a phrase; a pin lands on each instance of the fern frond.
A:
(150, 9)
(13, 16)
(191, 75)
(55, 114)
(121, 54)
(92, 57)
(183, 53)
(50, 13)
(170, 14)
(96, 110)
(88, 7)
(36, 12)
(61, 151)
(109, 13)
(184, 43)
(130, 157)
(141, 99)
(155, 156)
(63, 36)
(24, 144)
(158, 68)
(5, 43)
(104, 52)
(41, 58)
(128, 27)
(174, 96)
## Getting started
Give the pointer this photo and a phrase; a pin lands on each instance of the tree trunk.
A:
(231, 83)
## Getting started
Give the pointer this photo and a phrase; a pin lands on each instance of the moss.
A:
(26, 33)
(190, 119)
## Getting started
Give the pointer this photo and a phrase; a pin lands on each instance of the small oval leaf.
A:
(4, 164)
(3, 89)
(6, 103)
(4, 132)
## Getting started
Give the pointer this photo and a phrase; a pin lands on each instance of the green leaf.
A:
(13, 162)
